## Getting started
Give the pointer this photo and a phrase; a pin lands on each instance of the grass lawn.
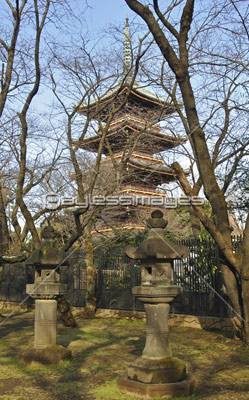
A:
(102, 350)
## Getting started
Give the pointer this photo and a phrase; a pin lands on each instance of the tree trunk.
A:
(91, 277)
(231, 288)
(245, 300)
(65, 312)
(195, 222)
(4, 231)
(236, 270)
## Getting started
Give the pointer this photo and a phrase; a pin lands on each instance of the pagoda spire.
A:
(127, 49)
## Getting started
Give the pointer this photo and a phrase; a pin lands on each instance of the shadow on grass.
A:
(70, 380)
(88, 368)
(102, 351)
(15, 322)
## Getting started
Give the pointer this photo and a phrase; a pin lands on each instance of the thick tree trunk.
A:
(245, 299)
(231, 288)
(65, 312)
(91, 277)
(4, 231)
(236, 273)
(237, 291)
(195, 222)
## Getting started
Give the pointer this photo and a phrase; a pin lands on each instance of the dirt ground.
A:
(102, 350)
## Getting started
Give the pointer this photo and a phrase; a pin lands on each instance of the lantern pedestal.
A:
(45, 290)
(156, 373)
(156, 390)
(45, 350)
(45, 323)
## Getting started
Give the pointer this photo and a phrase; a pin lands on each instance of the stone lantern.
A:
(45, 290)
(156, 373)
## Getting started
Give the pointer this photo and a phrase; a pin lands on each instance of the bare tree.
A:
(30, 141)
(176, 41)
(89, 84)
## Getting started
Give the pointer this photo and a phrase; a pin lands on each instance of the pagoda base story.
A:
(124, 219)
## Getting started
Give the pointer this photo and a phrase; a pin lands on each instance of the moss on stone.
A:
(147, 370)
(45, 356)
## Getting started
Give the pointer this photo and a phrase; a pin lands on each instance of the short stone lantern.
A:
(156, 373)
(45, 290)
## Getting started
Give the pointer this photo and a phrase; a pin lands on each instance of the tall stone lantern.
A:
(45, 290)
(156, 373)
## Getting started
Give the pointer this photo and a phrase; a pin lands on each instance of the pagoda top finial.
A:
(127, 49)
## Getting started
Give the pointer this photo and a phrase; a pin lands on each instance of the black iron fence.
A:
(115, 285)
(199, 276)
(13, 280)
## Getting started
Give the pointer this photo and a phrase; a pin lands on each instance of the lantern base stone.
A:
(164, 370)
(151, 390)
(36, 356)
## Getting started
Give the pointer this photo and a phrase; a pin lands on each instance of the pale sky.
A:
(104, 12)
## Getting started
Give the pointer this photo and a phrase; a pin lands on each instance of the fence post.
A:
(133, 282)
(8, 283)
(99, 286)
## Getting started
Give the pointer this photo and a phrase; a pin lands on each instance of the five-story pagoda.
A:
(134, 138)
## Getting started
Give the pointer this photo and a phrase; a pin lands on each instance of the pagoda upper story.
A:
(134, 132)
(129, 128)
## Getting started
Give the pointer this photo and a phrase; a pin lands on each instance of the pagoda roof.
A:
(158, 167)
(124, 127)
(148, 172)
(138, 93)
(144, 172)
(97, 107)
(154, 169)
(136, 89)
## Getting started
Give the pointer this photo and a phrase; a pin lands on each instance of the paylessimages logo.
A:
(54, 201)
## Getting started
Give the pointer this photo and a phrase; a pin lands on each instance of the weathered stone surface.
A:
(48, 254)
(45, 356)
(156, 373)
(150, 391)
(161, 294)
(156, 220)
(166, 370)
(47, 261)
(46, 290)
(154, 273)
(157, 246)
(157, 331)
(45, 322)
